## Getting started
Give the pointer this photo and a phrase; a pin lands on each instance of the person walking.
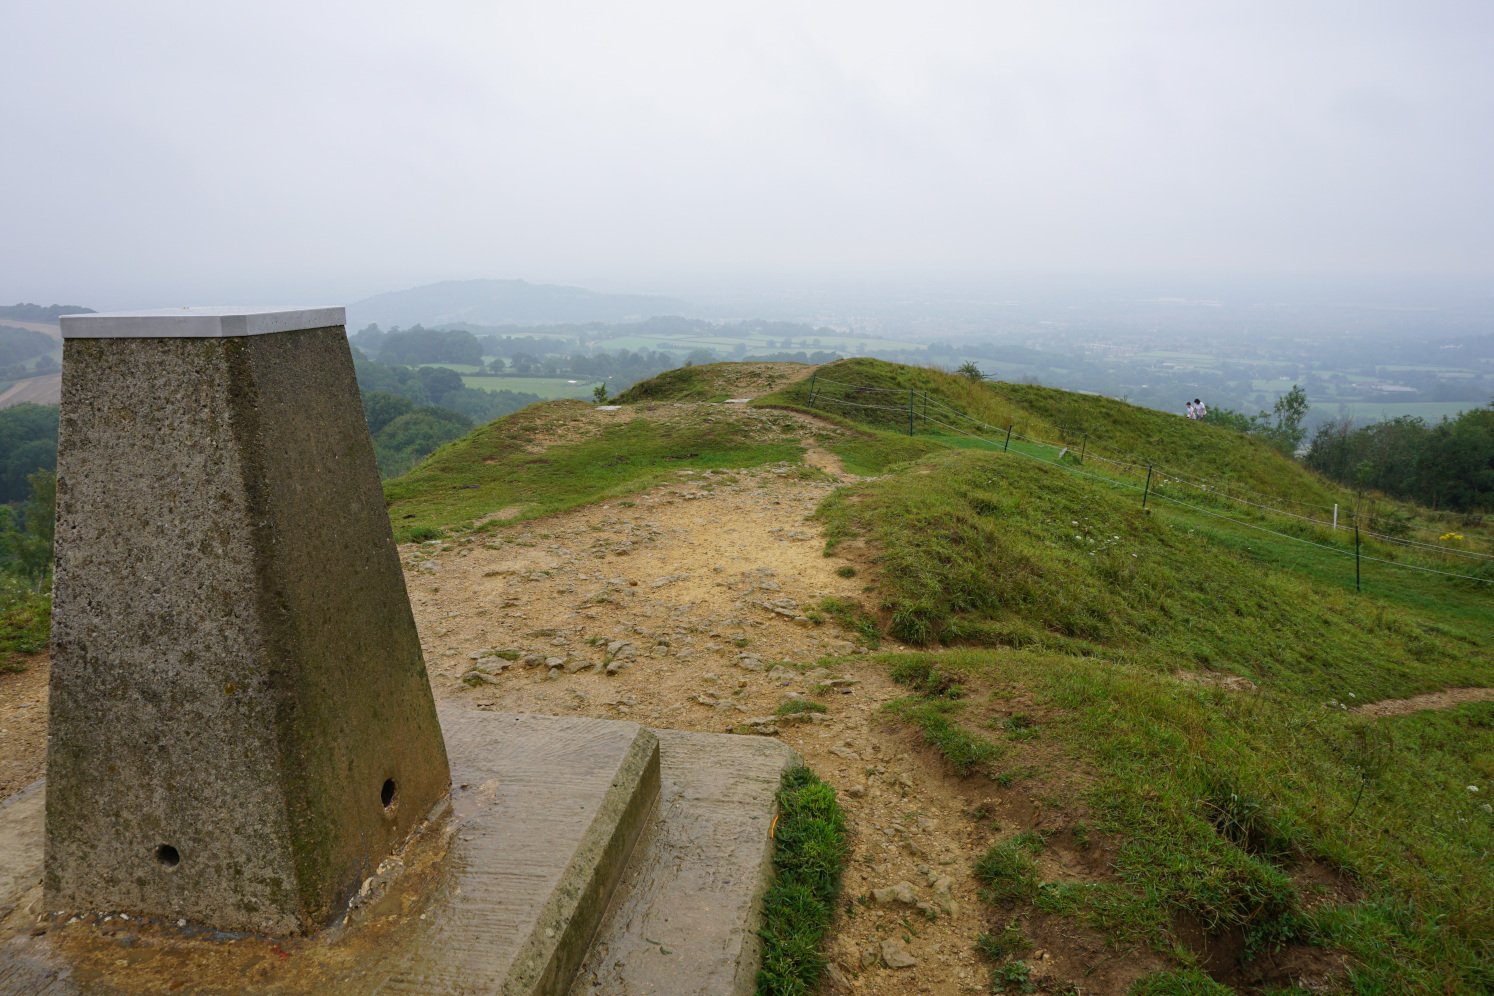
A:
(1191, 412)
(1199, 409)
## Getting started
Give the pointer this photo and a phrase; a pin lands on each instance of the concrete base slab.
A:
(502, 897)
(686, 915)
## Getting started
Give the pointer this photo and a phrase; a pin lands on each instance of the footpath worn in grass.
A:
(493, 468)
(1232, 810)
(809, 858)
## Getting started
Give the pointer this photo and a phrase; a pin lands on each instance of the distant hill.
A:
(41, 312)
(503, 302)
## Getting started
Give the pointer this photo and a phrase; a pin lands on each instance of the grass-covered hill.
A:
(1155, 711)
(876, 393)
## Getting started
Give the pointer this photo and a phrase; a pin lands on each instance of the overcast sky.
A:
(175, 152)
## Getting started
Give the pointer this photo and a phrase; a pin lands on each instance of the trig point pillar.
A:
(241, 725)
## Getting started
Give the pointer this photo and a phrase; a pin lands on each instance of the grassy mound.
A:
(713, 382)
(1269, 822)
(945, 407)
(981, 548)
(502, 466)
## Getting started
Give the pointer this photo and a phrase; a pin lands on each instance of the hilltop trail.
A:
(1445, 699)
(701, 595)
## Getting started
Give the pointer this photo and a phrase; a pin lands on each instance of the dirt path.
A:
(1445, 699)
(23, 726)
(693, 606)
(698, 594)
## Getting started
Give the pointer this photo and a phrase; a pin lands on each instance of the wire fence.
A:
(908, 406)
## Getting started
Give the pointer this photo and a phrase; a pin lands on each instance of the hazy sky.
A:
(174, 152)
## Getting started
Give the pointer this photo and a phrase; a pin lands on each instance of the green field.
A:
(752, 344)
(1379, 411)
(461, 368)
(548, 388)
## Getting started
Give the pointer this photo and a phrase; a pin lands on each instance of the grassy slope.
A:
(1106, 428)
(1090, 605)
(491, 468)
(1061, 593)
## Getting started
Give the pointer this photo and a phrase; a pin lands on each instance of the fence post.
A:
(1356, 555)
(910, 411)
(1083, 445)
(1148, 489)
(1335, 515)
(812, 378)
(1008, 443)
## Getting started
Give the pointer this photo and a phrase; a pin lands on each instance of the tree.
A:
(1290, 409)
(969, 369)
(380, 408)
(26, 535)
(440, 382)
(28, 442)
(599, 394)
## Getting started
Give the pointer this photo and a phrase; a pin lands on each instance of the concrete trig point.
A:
(242, 734)
(241, 728)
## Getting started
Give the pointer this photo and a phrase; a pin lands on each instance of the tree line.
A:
(1446, 465)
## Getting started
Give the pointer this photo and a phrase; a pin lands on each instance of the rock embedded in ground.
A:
(894, 955)
(902, 892)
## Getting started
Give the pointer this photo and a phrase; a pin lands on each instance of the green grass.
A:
(491, 469)
(852, 617)
(934, 710)
(1060, 589)
(977, 548)
(25, 622)
(809, 858)
(707, 382)
(1102, 426)
(1007, 871)
(1187, 982)
(1221, 801)
(1048, 584)
(795, 707)
(1432, 411)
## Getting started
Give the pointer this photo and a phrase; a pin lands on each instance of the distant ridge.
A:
(503, 302)
(41, 313)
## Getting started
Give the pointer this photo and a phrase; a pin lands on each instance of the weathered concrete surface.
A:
(237, 688)
(545, 813)
(197, 323)
(685, 919)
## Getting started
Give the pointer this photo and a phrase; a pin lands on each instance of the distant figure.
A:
(1192, 413)
(1199, 409)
